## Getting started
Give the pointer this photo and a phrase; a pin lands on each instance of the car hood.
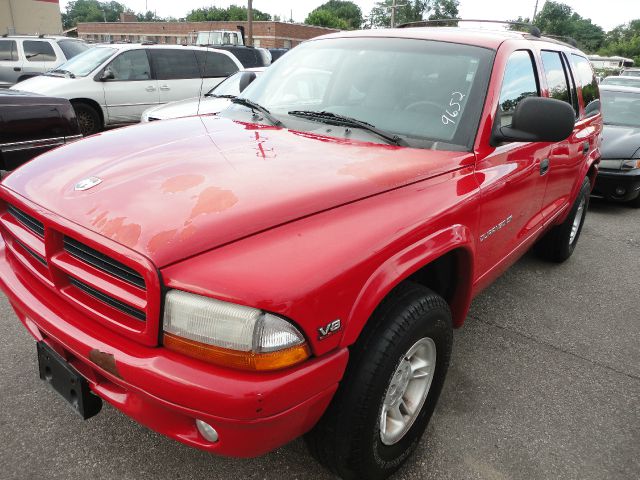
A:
(619, 142)
(188, 107)
(175, 188)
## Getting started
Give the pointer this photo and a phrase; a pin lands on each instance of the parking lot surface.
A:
(544, 383)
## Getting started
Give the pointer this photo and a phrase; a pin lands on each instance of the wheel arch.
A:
(93, 104)
(443, 262)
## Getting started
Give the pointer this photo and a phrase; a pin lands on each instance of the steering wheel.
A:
(419, 105)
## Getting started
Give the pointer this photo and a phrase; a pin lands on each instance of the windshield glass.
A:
(422, 91)
(620, 108)
(229, 86)
(85, 63)
(71, 48)
(628, 81)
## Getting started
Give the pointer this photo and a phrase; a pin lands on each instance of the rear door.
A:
(132, 89)
(10, 63)
(39, 57)
(177, 72)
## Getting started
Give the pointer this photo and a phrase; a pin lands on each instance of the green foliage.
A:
(234, 13)
(624, 41)
(341, 14)
(91, 11)
(413, 11)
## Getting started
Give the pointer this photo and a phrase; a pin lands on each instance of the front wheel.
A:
(559, 243)
(88, 118)
(395, 375)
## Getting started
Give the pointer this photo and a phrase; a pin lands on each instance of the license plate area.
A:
(65, 380)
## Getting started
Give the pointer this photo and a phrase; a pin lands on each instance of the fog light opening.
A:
(621, 191)
(207, 431)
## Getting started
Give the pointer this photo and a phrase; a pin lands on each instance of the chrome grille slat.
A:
(104, 298)
(35, 226)
(103, 262)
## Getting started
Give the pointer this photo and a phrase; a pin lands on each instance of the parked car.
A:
(249, 57)
(23, 57)
(276, 53)
(619, 80)
(215, 100)
(296, 264)
(113, 84)
(31, 124)
(619, 175)
(631, 72)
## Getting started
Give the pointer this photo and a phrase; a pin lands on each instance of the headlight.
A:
(231, 335)
(630, 164)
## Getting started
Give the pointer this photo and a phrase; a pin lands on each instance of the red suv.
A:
(297, 263)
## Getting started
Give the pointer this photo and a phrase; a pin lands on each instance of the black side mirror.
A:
(245, 80)
(537, 119)
(107, 74)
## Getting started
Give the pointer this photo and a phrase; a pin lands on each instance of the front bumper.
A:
(617, 185)
(253, 413)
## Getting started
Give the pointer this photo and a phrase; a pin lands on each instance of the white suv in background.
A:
(22, 56)
(112, 85)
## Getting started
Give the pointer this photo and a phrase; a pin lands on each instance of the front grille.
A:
(31, 252)
(27, 220)
(112, 302)
(103, 262)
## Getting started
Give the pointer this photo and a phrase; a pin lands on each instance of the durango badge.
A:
(87, 183)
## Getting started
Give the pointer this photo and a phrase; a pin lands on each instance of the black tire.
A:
(347, 438)
(635, 203)
(557, 245)
(88, 118)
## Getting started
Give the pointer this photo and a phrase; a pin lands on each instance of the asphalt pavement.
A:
(544, 384)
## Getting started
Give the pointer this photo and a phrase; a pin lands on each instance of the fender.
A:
(593, 160)
(408, 261)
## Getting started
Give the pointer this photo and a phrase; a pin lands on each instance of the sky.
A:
(607, 14)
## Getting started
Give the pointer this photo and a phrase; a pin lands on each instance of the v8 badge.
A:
(329, 329)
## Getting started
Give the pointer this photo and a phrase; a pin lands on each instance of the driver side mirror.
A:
(537, 119)
(245, 80)
(107, 74)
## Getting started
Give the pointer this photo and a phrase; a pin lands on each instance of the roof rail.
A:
(564, 39)
(533, 30)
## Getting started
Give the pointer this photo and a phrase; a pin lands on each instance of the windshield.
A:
(422, 91)
(85, 63)
(631, 73)
(628, 81)
(620, 108)
(71, 48)
(229, 86)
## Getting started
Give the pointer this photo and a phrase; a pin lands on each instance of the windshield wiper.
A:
(222, 95)
(344, 121)
(65, 72)
(257, 107)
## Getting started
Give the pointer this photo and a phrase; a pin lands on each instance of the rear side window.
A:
(38, 51)
(71, 48)
(557, 78)
(519, 82)
(214, 64)
(131, 65)
(8, 52)
(175, 64)
(586, 78)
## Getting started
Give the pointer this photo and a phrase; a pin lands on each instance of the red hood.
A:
(173, 189)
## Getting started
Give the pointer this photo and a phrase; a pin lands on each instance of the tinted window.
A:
(71, 48)
(131, 65)
(587, 80)
(37, 51)
(8, 51)
(519, 82)
(175, 64)
(248, 57)
(215, 64)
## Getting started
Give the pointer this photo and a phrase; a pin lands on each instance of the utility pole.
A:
(535, 11)
(393, 8)
(250, 21)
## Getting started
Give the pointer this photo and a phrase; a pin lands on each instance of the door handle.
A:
(544, 167)
(585, 147)
(17, 69)
(150, 89)
(164, 88)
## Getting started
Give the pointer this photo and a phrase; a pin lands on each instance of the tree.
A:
(91, 11)
(624, 41)
(342, 14)
(234, 13)
(413, 11)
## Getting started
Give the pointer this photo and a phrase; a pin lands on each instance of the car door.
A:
(512, 174)
(39, 57)
(177, 73)
(215, 67)
(566, 158)
(129, 87)
(10, 63)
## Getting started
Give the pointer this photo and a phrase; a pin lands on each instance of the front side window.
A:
(214, 64)
(621, 108)
(519, 82)
(174, 64)
(428, 93)
(8, 52)
(131, 65)
(586, 78)
(38, 51)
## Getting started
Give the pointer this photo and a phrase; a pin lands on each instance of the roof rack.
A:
(564, 39)
(533, 30)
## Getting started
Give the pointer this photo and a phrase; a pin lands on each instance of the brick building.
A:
(265, 34)
(30, 17)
